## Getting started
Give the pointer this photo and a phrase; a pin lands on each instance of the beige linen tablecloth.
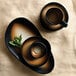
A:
(63, 42)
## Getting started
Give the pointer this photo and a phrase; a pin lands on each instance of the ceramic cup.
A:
(54, 16)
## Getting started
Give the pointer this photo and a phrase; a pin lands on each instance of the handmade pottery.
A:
(54, 16)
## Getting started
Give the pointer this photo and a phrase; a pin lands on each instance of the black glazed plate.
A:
(33, 32)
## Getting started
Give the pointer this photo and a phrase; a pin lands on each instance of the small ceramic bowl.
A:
(53, 16)
(36, 51)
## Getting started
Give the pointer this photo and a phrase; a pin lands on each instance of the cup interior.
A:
(54, 16)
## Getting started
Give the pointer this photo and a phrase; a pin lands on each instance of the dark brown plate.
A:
(29, 32)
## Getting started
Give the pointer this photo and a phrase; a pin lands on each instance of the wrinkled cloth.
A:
(63, 42)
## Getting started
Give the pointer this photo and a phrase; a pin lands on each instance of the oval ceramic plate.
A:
(23, 27)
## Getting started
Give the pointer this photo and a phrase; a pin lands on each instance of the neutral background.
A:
(63, 42)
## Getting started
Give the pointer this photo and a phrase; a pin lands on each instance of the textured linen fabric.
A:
(63, 42)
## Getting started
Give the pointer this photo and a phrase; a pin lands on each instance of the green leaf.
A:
(16, 42)
(11, 42)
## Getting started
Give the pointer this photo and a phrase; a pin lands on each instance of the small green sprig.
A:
(16, 42)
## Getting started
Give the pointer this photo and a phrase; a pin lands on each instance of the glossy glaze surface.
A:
(35, 60)
(52, 15)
